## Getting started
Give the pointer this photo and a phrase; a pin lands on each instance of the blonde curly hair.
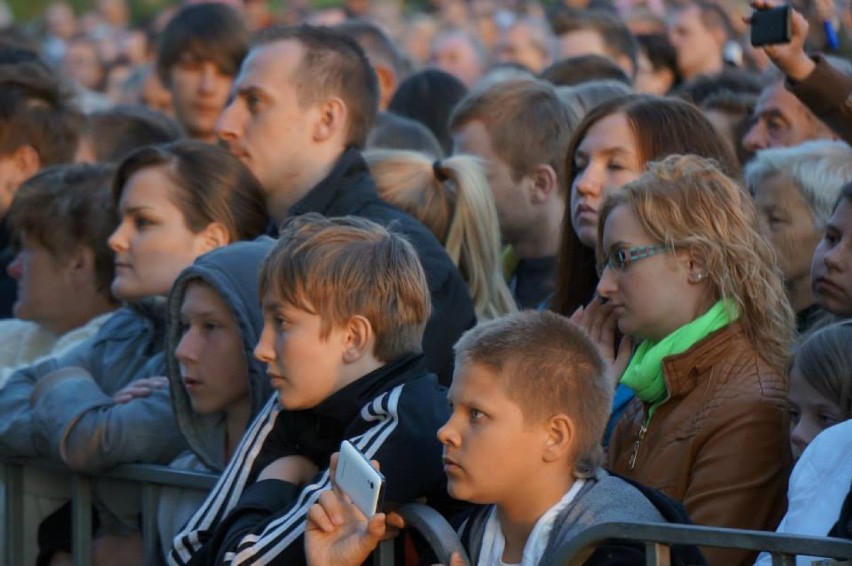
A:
(688, 202)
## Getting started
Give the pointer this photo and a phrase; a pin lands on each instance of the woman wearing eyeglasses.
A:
(611, 147)
(686, 275)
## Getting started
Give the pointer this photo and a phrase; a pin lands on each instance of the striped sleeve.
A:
(228, 489)
(282, 533)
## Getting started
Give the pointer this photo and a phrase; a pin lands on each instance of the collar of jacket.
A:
(683, 371)
(349, 175)
(344, 405)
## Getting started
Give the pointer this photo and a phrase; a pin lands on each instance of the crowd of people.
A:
(547, 266)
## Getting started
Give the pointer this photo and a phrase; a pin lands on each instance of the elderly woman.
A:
(794, 190)
(686, 274)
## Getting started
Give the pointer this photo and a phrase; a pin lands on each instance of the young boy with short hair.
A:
(345, 303)
(531, 396)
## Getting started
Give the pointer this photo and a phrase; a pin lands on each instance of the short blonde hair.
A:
(548, 365)
(338, 268)
(687, 201)
(453, 199)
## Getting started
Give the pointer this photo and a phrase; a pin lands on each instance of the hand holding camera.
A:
(781, 31)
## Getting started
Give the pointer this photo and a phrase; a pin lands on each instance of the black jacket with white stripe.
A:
(392, 414)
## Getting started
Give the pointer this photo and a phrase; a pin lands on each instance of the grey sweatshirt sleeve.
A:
(80, 424)
(16, 438)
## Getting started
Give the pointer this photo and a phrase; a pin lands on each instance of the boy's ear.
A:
(561, 438)
(360, 339)
(543, 184)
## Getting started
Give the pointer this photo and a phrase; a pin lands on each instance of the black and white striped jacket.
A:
(391, 414)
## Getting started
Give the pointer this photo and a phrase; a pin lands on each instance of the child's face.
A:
(211, 353)
(490, 454)
(811, 412)
(831, 269)
(304, 367)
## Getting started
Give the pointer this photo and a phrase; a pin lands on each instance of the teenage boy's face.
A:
(304, 367)
(200, 91)
(489, 452)
(211, 353)
(831, 267)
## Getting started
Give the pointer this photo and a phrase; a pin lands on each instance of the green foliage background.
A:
(29, 11)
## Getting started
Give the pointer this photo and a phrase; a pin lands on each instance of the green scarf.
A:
(644, 373)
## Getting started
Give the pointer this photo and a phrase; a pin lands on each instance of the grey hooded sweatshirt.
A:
(232, 272)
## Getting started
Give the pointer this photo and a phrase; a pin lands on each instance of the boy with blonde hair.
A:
(531, 396)
(345, 303)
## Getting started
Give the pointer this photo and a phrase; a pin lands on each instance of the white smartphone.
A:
(358, 479)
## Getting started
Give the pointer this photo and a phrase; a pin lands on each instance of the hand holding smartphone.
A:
(358, 479)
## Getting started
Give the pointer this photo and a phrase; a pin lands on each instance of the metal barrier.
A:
(151, 477)
(427, 521)
(658, 539)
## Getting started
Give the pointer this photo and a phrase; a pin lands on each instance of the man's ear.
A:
(360, 339)
(333, 116)
(719, 37)
(387, 84)
(543, 184)
(626, 65)
(27, 162)
(561, 438)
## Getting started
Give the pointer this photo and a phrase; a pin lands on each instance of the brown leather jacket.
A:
(827, 92)
(720, 444)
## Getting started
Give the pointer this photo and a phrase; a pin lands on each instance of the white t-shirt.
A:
(491, 553)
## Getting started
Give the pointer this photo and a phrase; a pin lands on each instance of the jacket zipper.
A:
(642, 430)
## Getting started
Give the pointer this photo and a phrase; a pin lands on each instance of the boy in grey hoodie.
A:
(217, 386)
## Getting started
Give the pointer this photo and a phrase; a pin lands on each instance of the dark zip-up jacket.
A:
(392, 414)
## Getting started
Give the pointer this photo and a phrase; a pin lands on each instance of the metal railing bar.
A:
(657, 554)
(162, 475)
(150, 502)
(13, 476)
(81, 521)
(697, 535)
(783, 560)
(442, 538)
